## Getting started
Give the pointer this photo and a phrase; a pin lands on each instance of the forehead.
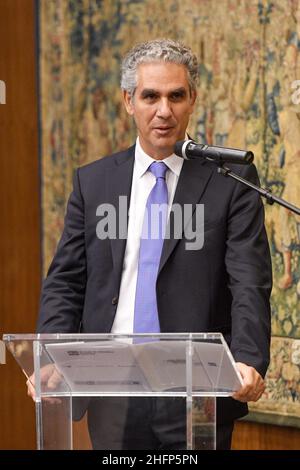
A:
(161, 76)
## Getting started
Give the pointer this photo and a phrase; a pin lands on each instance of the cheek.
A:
(184, 113)
(142, 121)
(147, 117)
(184, 117)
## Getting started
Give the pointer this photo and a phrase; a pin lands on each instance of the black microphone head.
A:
(178, 148)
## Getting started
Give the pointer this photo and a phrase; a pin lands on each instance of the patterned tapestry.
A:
(249, 52)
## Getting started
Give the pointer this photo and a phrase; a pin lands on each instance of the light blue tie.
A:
(154, 225)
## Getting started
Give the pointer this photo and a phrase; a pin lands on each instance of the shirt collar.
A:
(143, 161)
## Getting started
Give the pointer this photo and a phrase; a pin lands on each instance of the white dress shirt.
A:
(142, 184)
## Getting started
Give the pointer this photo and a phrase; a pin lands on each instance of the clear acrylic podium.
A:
(170, 381)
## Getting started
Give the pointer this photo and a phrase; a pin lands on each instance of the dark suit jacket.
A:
(224, 287)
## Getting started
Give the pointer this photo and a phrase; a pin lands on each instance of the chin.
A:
(166, 141)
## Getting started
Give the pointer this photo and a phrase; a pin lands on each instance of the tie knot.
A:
(158, 169)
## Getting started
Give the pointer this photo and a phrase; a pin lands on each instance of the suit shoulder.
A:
(106, 162)
(248, 172)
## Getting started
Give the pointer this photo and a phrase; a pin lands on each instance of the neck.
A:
(157, 154)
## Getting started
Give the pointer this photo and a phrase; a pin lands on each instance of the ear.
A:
(128, 102)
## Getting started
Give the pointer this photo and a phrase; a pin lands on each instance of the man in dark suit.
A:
(224, 286)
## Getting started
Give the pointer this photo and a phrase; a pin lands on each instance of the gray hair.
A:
(165, 50)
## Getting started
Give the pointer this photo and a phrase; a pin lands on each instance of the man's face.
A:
(161, 106)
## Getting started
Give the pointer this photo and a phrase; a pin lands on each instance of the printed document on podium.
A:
(112, 367)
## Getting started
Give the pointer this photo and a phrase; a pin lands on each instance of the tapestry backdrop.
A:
(249, 52)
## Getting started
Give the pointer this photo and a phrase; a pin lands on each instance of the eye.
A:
(177, 95)
(150, 97)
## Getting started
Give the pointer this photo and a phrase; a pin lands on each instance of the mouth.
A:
(162, 130)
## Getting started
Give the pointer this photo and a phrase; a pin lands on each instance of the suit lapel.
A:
(191, 184)
(118, 183)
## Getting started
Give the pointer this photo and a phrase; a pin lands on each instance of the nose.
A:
(164, 110)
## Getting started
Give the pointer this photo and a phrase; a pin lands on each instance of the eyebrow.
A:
(151, 91)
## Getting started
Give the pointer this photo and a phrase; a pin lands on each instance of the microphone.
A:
(188, 149)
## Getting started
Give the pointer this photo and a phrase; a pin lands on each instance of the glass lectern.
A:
(112, 387)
